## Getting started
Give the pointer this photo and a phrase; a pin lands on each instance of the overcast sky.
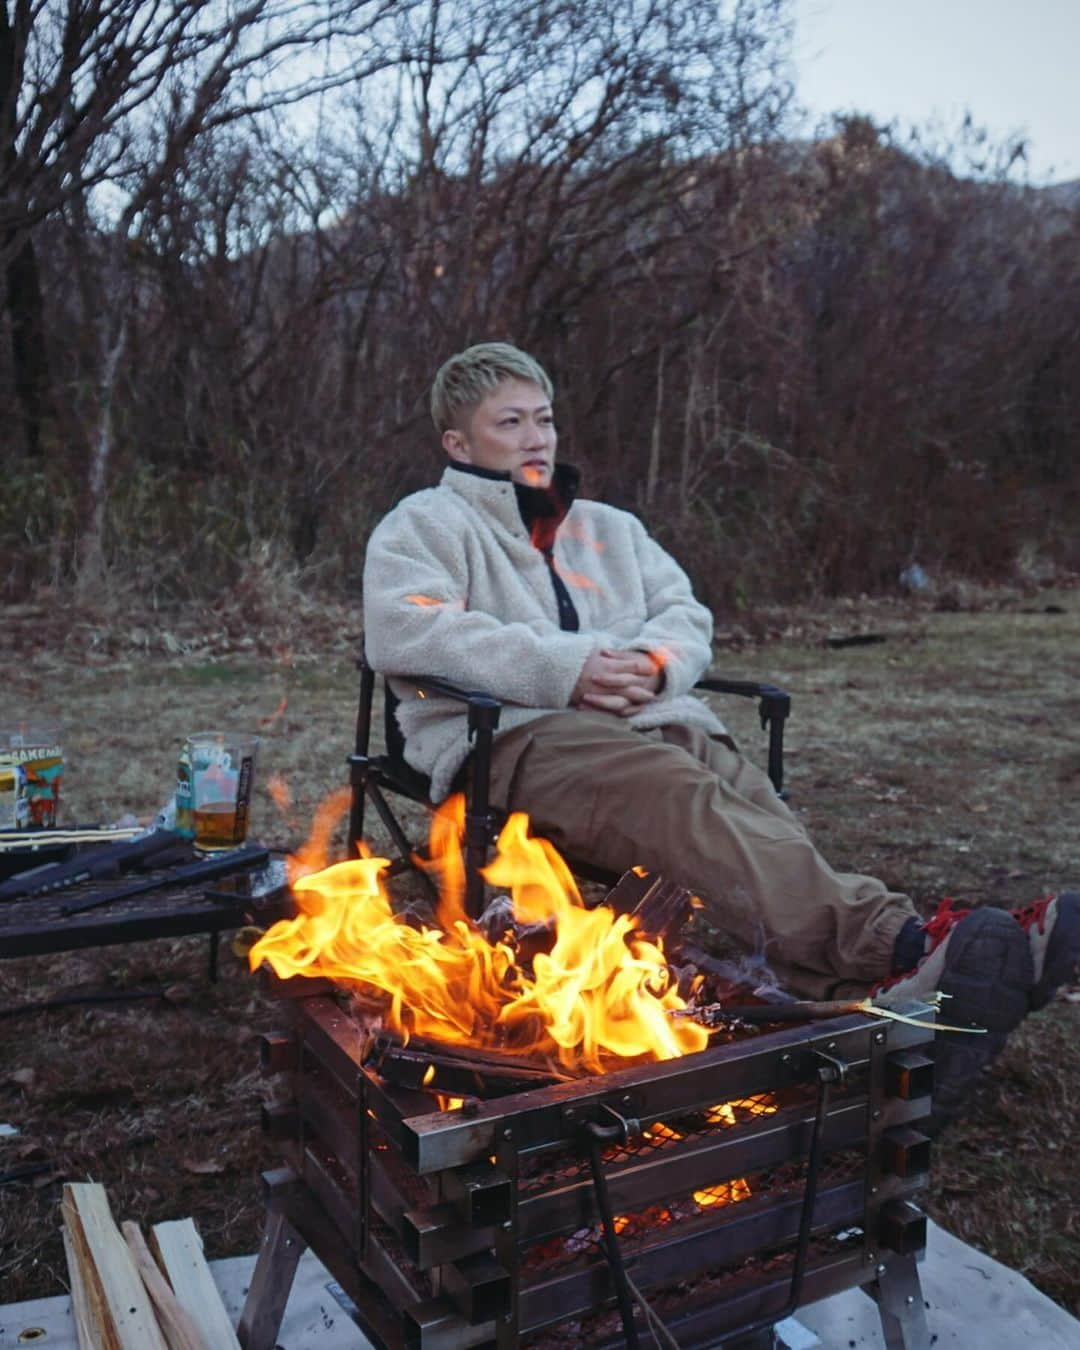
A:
(1014, 66)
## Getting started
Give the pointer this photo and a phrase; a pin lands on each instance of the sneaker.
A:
(982, 960)
(1053, 929)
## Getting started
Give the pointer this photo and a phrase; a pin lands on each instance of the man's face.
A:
(512, 431)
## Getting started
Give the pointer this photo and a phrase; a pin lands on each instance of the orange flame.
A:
(603, 991)
(447, 865)
(657, 1216)
(727, 1193)
(313, 854)
(658, 1130)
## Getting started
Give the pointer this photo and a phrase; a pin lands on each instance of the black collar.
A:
(549, 504)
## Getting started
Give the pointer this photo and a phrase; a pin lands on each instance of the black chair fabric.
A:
(373, 777)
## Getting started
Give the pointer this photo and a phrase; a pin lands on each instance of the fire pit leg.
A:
(898, 1294)
(271, 1284)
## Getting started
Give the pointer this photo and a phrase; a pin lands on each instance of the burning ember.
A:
(594, 990)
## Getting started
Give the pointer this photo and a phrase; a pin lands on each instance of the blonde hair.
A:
(467, 379)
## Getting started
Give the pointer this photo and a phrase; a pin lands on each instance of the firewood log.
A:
(116, 1304)
(659, 907)
(179, 1252)
(80, 1299)
(460, 1070)
(180, 1329)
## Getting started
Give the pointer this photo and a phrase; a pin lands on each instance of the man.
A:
(589, 633)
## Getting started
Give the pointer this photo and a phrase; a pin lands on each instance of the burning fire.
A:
(601, 992)
(727, 1193)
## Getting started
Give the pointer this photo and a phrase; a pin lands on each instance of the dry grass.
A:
(945, 759)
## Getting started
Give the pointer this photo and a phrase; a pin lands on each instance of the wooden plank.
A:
(80, 1301)
(177, 1324)
(179, 1251)
(118, 1306)
(271, 1283)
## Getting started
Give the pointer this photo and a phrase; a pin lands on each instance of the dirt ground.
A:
(940, 752)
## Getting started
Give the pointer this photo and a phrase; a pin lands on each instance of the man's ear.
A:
(453, 442)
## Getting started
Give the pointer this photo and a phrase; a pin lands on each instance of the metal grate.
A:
(602, 1330)
(550, 1168)
(484, 1224)
(638, 1230)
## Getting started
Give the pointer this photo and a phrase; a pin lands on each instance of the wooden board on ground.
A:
(176, 1322)
(80, 1306)
(117, 1306)
(179, 1251)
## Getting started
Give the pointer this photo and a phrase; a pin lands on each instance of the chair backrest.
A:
(395, 741)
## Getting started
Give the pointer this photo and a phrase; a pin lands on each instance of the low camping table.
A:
(39, 925)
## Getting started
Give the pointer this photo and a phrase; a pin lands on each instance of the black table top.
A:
(40, 924)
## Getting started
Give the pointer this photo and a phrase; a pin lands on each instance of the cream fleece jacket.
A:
(454, 588)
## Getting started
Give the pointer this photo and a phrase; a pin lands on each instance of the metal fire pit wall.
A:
(480, 1226)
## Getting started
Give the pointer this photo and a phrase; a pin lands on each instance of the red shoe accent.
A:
(936, 929)
(944, 920)
(1028, 916)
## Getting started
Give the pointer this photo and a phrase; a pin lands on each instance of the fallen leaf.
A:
(203, 1169)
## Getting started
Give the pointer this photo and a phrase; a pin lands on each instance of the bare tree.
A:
(515, 167)
(803, 361)
(101, 102)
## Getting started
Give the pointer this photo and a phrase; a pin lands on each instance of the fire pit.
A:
(695, 1199)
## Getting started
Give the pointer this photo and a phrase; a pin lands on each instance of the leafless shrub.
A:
(807, 364)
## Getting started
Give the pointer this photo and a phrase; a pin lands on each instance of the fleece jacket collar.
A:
(539, 511)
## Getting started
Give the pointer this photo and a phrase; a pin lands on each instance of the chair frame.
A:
(371, 776)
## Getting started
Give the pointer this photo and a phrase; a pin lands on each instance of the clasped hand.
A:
(618, 682)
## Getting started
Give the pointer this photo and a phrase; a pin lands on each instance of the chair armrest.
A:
(483, 711)
(745, 688)
(475, 698)
(775, 702)
(774, 708)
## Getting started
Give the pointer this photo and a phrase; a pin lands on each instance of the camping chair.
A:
(372, 777)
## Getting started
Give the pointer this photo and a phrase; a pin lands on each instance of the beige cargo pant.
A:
(686, 805)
